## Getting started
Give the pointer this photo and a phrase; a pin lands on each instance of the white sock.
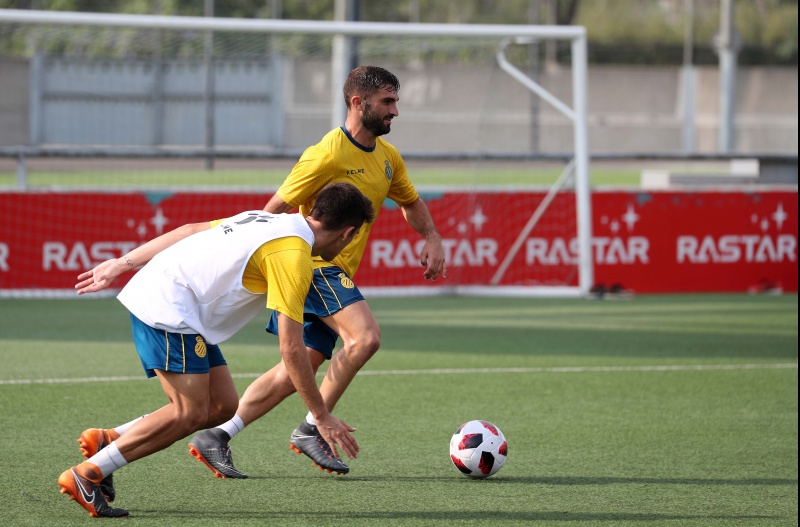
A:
(121, 429)
(310, 419)
(108, 459)
(234, 426)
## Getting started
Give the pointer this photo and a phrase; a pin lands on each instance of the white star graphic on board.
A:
(765, 225)
(779, 216)
(141, 230)
(614, 226)
(630, 217)
(478, 219)
(462, 228)
(159, 221)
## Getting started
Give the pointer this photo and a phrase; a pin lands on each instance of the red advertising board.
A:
(648, 242)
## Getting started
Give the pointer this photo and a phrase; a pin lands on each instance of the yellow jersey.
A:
(378, 172)
(276, 269)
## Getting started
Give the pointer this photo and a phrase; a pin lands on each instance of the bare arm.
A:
(277, 206)
(298, 365)
(432, 255)
(104, 274)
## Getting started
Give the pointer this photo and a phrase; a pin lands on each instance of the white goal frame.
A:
(576, 112)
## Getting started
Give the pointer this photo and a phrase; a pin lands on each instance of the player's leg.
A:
(360, 334)
(266, 392)
(224, 400)
(187, 411)
(342, 310)
(93, 440)
(361, 338)
(212, 447)
(182, 365)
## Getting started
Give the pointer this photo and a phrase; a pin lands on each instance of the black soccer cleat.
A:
(307, 440)
(211, 447)
(88, 495)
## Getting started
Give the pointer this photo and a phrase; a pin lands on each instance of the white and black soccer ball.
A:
(478, 449)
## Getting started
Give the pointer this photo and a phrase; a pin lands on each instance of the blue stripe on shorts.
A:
(331, 290)
(174, 352)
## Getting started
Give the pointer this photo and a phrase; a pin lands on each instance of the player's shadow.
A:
(568, 481)
(495, 517)
(587, 480)
(548, 480)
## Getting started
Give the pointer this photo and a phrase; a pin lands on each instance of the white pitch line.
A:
(450, 371)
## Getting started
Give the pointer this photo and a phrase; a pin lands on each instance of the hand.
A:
(100, 277)
(337, 433)
(432, 259)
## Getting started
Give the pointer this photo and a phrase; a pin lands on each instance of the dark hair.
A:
(366, 80)
(341, 205)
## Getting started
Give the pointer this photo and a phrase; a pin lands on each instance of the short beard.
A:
(373, 122)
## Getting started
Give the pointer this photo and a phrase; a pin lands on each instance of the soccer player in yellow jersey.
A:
(354, 153)
(200, 284)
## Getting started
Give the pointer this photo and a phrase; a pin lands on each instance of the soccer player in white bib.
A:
(200, 284)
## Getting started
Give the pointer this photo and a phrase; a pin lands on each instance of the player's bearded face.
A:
(375, 122)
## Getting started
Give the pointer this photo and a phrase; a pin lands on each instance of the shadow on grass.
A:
(568, 481)
(465, 516)
(550, 480)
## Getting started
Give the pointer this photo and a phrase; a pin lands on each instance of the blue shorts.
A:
(330, 291)
(161, 350)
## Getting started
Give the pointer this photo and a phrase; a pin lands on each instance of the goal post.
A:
(284, 115)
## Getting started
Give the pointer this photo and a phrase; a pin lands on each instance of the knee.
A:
(189, 419)
(363, 347)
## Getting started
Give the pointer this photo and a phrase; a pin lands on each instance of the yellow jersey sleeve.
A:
(282, 269)
(401, 191)
(314, 170)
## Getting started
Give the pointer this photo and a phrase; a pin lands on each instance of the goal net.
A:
(132, 125)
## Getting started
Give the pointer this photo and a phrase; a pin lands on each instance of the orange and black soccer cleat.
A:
(92, 441)
(87, 494)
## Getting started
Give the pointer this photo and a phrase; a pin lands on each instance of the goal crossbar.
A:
(287, 26)
(517, 34)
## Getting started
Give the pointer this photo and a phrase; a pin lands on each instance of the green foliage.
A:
(651, 32)
(620, 31)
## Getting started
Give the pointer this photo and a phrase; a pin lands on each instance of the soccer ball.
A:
(478, 449)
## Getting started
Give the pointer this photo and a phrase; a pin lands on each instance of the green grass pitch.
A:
(660, 410)
(271, 178)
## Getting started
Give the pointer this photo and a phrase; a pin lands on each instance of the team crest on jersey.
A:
(388, 169)
(345, 281)
(200, 347)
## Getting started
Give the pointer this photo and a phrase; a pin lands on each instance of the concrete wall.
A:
(14, 92)
(456, 109)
